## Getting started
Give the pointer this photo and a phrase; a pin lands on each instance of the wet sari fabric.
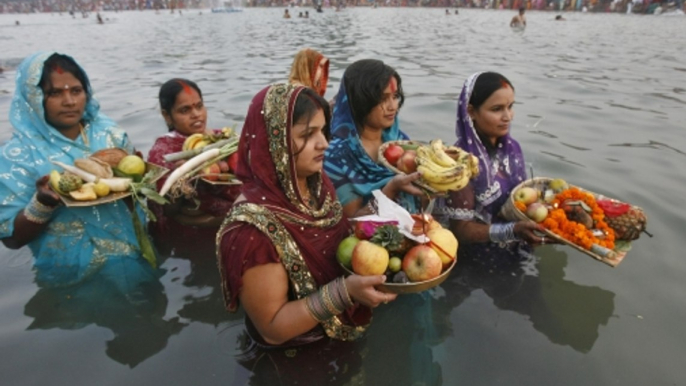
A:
(274, 224)
(78, 242)
(501, 169)
(353, 172)
(212, 200)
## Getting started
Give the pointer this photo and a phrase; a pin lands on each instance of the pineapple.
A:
(389, 237)
(628, 226)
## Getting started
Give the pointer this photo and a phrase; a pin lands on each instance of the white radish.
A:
(188, 167)
(116, 184)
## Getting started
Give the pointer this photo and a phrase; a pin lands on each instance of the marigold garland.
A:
(578, 234)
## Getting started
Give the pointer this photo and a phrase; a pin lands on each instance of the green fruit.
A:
(395, 264)
(558, 185)
(132, 165)
(344, 253)
(69, 183)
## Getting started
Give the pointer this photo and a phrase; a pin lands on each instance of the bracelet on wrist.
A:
(37, 212)
(502, 233)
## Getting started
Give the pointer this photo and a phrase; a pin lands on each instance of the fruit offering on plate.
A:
(105, 172)
(222, 170)
(378, 248)
(443, 168)
(578, 217)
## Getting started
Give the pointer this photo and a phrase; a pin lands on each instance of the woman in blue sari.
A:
(365, 116)
(56, 118)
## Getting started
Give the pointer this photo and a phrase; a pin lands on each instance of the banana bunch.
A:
(200, 140)
(446, 168)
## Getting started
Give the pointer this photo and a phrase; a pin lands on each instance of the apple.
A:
(369, 259)
(393, 154)
(422, 263)
(537, 212)
(223, 166)
(444, 242)
(211, 172)
(395, 264)
(233, 162)
(344, 253)
(558, 185)
(526, 195)
(407, 163)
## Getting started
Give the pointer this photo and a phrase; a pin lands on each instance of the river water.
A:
(601, 102)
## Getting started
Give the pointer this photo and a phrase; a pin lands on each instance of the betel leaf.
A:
(151, 194)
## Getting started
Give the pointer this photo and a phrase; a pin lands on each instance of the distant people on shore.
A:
(300, 15)
(447, 12)
(100, 18)
(519, 20)
(307, 14)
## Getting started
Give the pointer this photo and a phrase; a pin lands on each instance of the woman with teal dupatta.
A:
(56, 118)
(365, 116)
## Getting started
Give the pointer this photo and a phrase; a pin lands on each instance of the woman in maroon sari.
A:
(184, 224)
(277, 246)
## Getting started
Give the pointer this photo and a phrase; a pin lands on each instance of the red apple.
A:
(369, 259)
(233, 162)
(537, 212)
(393, 154)
(406, 163)
(211, 173)
(223, 166)
(422, 263)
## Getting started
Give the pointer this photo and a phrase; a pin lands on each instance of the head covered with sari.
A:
(354, 173)
(78, 241)
(310, 69)
(305, 238)
(501, 167)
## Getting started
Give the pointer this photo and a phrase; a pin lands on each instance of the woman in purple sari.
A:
(484, 113)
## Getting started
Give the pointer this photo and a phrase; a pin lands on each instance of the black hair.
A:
(486, 84)
(171, 89)
(558, 17)
(365, 82)
(522, 10)
(62, 63)
(306, 106)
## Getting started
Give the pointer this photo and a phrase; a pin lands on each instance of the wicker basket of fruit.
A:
(598, 226)
(379, 248)
(443, 168)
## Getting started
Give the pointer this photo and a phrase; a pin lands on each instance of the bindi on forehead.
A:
(393, 85)
(186, 88)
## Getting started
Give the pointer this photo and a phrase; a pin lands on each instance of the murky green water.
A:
(601, 103)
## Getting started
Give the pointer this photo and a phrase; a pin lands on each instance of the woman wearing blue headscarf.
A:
(365, 116)
(56, 118)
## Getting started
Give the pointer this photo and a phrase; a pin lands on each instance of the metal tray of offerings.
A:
(158, 172)
(223, 179)
(412, 287)
(512, 213)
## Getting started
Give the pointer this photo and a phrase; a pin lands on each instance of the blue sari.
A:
(78, 241)
(353, 173)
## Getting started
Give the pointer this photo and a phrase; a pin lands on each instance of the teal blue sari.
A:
(78, 241)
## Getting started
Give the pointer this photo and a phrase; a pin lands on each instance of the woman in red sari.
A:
(277, 246)
(185, 224)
